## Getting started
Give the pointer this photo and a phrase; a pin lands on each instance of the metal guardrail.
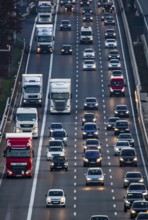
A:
(11, 99)
(136, 76)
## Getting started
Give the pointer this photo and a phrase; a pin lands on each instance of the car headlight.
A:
(116, 129)
(18, 130)
(135, 159)
(62, 199)
(35, 130)
(127, 112)
(116, 112)
(133, 211)
(87, 178)
(52, 164)
(141, 180)
(65, 139)
(69, 25)
(126, 181)
(84, 133)
(96, 104)
(28, 172)
(99, 159)
(101, 178)
(121, 159)
(94, 119)
(85, 159)
(111, 90)
(66, 164)
(96, 133)
(62, 50)
(48, 199)
(61, 25)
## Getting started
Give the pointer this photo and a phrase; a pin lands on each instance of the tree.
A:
(10, 21)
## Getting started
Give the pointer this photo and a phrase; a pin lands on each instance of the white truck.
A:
(32, 89)
(44, 18)
(60, 96)
(44, 38)
(27, 121)
(46, 6)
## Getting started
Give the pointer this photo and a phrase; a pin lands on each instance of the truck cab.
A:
(27, 121)
(117, 86)
(19, 155)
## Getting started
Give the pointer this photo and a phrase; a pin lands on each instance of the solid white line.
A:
(33, 191)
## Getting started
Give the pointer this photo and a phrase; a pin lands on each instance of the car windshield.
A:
(92, 142)
(136, 187)
(55, 193)
(121, 107)
(90, 127)
(140, 204)
(99, 218)
(117, 83)
(65, 22)
(134, 195)
(143, 216)
(18, 153)
(32, 89)
(89, 62)
(112, 119)
(126, 136)
(26, 117)
(58, 134)
(88, 51)
(134, 175)
(58, 158)
(90, 100)
(55, 149)
(54, 143)
(128, 153)
(89, 116)
(92, 154)
(122, 124)
(56, 126)
(122, 143)
(94, 172)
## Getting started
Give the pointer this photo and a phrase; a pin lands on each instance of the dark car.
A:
(121, 111)
(59, 135)
(87, 17)
(90, 130)
(114, 54)
(66, 49)
(138, 206)
(87, 9)
(88, 117)
(109, 20)
(91, 103)
(65, 25)
(130, 198)
(55, 126)
(110, 33)
(121, 126)
(105, 15)
(68, 8)
(92, 158)
(132, 177)
(92, 144)
(128, 156)
(84, 3)
(142, 216)
(111, 123)
(65, 2)
(138, 187)
(58, 162)
(108, 7)
(101, 3)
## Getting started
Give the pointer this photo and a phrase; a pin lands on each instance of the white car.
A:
(89, 53)
(119, 146)
(110, 43)
(54, 151)
(89, 65)
(94, 175)
(55, 197)
(114, 64)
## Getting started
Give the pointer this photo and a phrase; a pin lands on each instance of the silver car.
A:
(119, 146)
(94, 175)
(89, 65)
(53, 151)
(55, 197)
(110, 43)
(114, 64)
(89, 53)
(127, 137)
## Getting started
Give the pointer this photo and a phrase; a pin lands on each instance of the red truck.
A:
(19, 155)
(117, 86)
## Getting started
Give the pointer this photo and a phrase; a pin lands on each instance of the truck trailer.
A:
(60, 96)
(32, 89)
(19, 155)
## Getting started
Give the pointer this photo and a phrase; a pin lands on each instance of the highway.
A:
(25, 198)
